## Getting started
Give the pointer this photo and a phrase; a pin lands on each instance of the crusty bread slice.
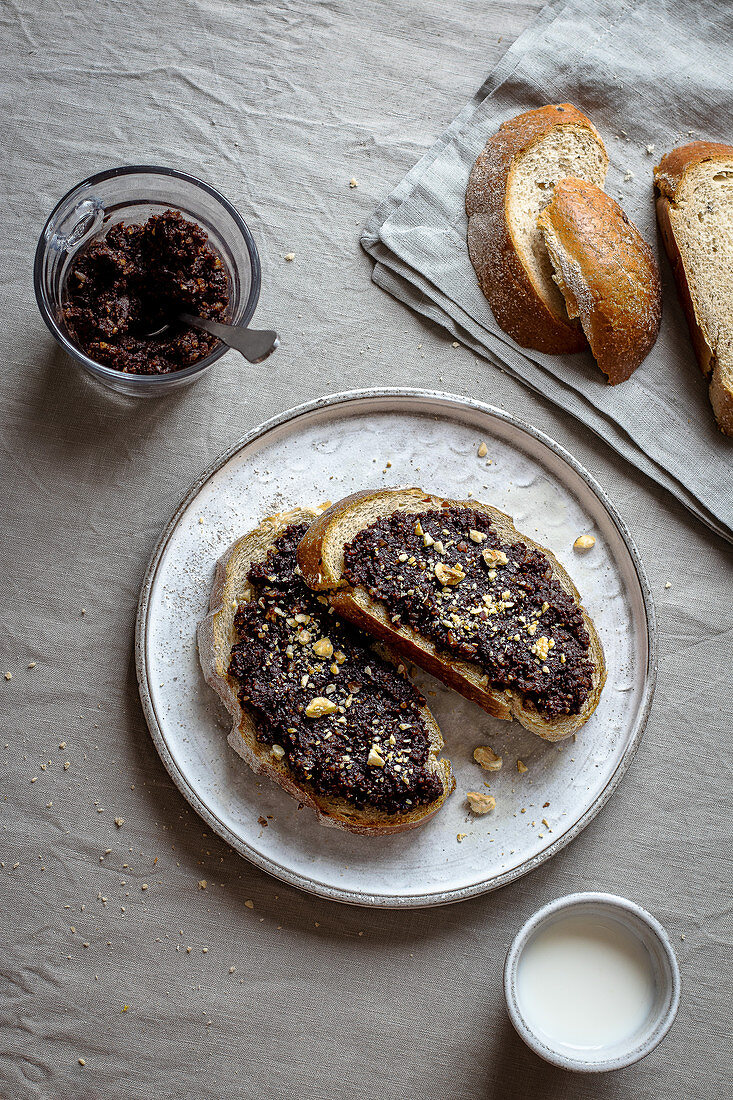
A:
(321, 559)
(694, 185)
(510, 183)
(607, 274)
(216, 636)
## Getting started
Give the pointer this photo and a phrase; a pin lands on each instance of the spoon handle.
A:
(254, 344)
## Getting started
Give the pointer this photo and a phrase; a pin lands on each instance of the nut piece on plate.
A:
(480, 803)
(319, 707)
(487, 758)
(584, 542)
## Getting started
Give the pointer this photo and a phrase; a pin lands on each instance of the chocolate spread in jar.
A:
(446, 574)
(124, 287)
(349, 723)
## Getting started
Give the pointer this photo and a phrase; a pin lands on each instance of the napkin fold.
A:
(651, 75)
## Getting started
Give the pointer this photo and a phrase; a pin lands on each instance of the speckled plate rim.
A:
(271, 866)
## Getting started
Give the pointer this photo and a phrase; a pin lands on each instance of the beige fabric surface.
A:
(280, 104)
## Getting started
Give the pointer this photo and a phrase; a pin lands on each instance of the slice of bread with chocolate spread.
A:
(454, 587)
(322, 710)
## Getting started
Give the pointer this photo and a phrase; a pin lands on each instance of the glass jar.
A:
(132, 194)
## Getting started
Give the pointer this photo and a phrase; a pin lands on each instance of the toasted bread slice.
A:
(321, 559)
(607, 274)
(510, 183)
(694, 185)
(216, 636)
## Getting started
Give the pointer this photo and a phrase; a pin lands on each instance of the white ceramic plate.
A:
(325, 450)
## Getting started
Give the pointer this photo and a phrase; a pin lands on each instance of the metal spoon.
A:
(253, 344)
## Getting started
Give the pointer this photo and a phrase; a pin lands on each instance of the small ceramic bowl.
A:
(664, 969)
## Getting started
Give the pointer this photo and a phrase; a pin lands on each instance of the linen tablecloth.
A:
(280, 105)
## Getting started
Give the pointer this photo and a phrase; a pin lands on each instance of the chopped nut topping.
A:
(277, 751)
(323, 648)
(542, 647)
(480, 803)
(487, 758)
(374, 760)
(319, 707)
(584, 542)
(494, 557)
(449, 575)
(476, 536)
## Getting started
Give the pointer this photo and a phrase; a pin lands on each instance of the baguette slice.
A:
(215, 639)
(694, 185)
(321, 559)
(510, 183)
(607, 274)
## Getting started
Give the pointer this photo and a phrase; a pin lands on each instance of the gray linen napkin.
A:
(651, 75)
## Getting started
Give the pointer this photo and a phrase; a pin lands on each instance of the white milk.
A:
(585, 982)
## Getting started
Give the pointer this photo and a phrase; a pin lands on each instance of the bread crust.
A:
(668, 176)
(502, 276)
(607, 274)
(320, 556)
(215, 639)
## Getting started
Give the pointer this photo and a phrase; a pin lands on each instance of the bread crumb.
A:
(232, 969)
(249, 904)
(353, 182)
(203, 884)
(8, 676)
(455, 344)
(144, 886)
(650, 149)
(289, 256)
(119, 822)
(521, 768)
(32, 664)
(480, 803)
(483, 450)
(668, 584)
(628, 175)
(584, 542)
(487, 758)
(461, 836)
(82, 1062)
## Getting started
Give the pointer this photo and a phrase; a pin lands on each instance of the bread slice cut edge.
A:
(321, 559)
(509, 183)
(682, 179)
(216, 636)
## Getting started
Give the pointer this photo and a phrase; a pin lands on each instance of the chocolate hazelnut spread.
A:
(130, 284)
(343, 719)
(447, 574)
